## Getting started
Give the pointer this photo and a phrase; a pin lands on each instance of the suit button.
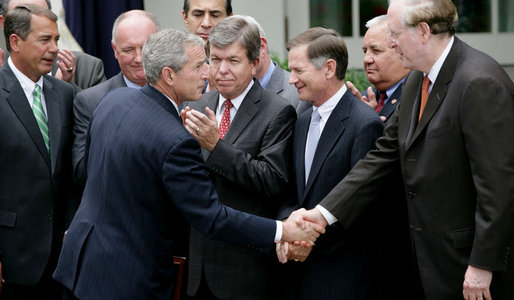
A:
(50, 217)
(411, 195)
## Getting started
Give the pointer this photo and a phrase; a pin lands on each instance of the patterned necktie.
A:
(424, 95)
(380, 103)
(40, 115)
(312, 141)
(225, 119)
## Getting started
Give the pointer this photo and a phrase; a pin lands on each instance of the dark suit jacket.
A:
(391, 104)
(279, 84)
(84, 105)
(34, 187)
(146, 178)
(89, 71)
(250, 170)
(331, 271)
(457, 168)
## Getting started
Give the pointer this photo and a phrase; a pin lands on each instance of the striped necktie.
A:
(39, 113)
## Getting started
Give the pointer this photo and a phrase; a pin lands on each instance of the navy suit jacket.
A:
(145, 179)
(349, 133)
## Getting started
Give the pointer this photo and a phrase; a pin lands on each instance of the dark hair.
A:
(18, 21)
(323, 44)
(228, 7)
(4, 6)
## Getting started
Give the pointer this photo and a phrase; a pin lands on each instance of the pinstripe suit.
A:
(145, 179)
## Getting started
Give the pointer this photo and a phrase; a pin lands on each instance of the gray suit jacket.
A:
(250, 169)
(34, 187)
(89, 71)
(84, 105)
(279, 84)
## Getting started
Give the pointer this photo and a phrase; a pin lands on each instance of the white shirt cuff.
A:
(331, 219)
(278, 233)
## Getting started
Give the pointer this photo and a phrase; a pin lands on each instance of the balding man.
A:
(130, 31)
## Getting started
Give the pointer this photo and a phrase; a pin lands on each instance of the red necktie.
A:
(380, 103)
(424, 95)
(225, 119)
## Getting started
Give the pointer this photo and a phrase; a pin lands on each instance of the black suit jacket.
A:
(146, 178)
(457, 167)
(84, 105)
(34, 187)
(250, 169)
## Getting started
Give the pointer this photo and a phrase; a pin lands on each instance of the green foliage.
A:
(357, 77)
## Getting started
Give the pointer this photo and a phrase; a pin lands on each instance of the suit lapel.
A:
(54, 120)
(439, 89)
(18, 101)
(301, 131)
(245, 113)
(276, 82)
(334, 128)
(391, 104)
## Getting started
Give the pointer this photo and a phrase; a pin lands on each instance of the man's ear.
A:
(14, 41)
(2, 20)
(114, 50)
(168, 75)
(184, 17)
(331, 66)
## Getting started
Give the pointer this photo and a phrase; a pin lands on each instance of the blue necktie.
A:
(312, 141)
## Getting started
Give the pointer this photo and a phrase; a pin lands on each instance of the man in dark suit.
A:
(246, 138)
(146, 178)
(130, 31)
(78, 68)
(383, 68)
(328, 141)
(452, 138)
(35, 155)
(272, 77)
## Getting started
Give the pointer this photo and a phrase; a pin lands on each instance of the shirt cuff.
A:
(331, 219)
(278, 233)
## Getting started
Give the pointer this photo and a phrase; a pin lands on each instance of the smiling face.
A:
(382, 64)
(131, 34)
(203, 15)
(35, 55)
(190, 79)
(310, 81)
(231, 70)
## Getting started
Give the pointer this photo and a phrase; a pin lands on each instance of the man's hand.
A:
(183, 114)
(301, 231)
(476, 284)
(66, 65)
(371, 100)
(203, 128)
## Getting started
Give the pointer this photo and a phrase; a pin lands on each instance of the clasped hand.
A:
(204, 128)
(301, 230)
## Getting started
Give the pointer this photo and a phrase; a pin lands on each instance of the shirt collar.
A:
(236, 102)
(434, 71)
(326, 108)
(391, 90)
(26, 83)
(264, 81)
(131, 84)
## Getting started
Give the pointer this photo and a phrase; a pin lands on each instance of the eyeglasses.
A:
(394, 34)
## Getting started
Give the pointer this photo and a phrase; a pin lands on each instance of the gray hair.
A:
(130, 13)
(376, 21)
(167, 48)
(441, 15)
(237, 29)
(4, 6)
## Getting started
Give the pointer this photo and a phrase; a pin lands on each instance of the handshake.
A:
(300, 231)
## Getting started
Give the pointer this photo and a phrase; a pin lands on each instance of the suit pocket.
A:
(440, 130)
(463, 238)
(7, 218)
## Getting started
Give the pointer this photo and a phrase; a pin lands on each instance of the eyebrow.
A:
(197, 10)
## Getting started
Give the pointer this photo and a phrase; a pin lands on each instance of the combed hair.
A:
(237, 29)
(18, 21)
(440, 15)
(323, 44)
(252, 20)
(130, 13)
(228, 7)
(376, 21)
(167, 48)
(4, 6)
